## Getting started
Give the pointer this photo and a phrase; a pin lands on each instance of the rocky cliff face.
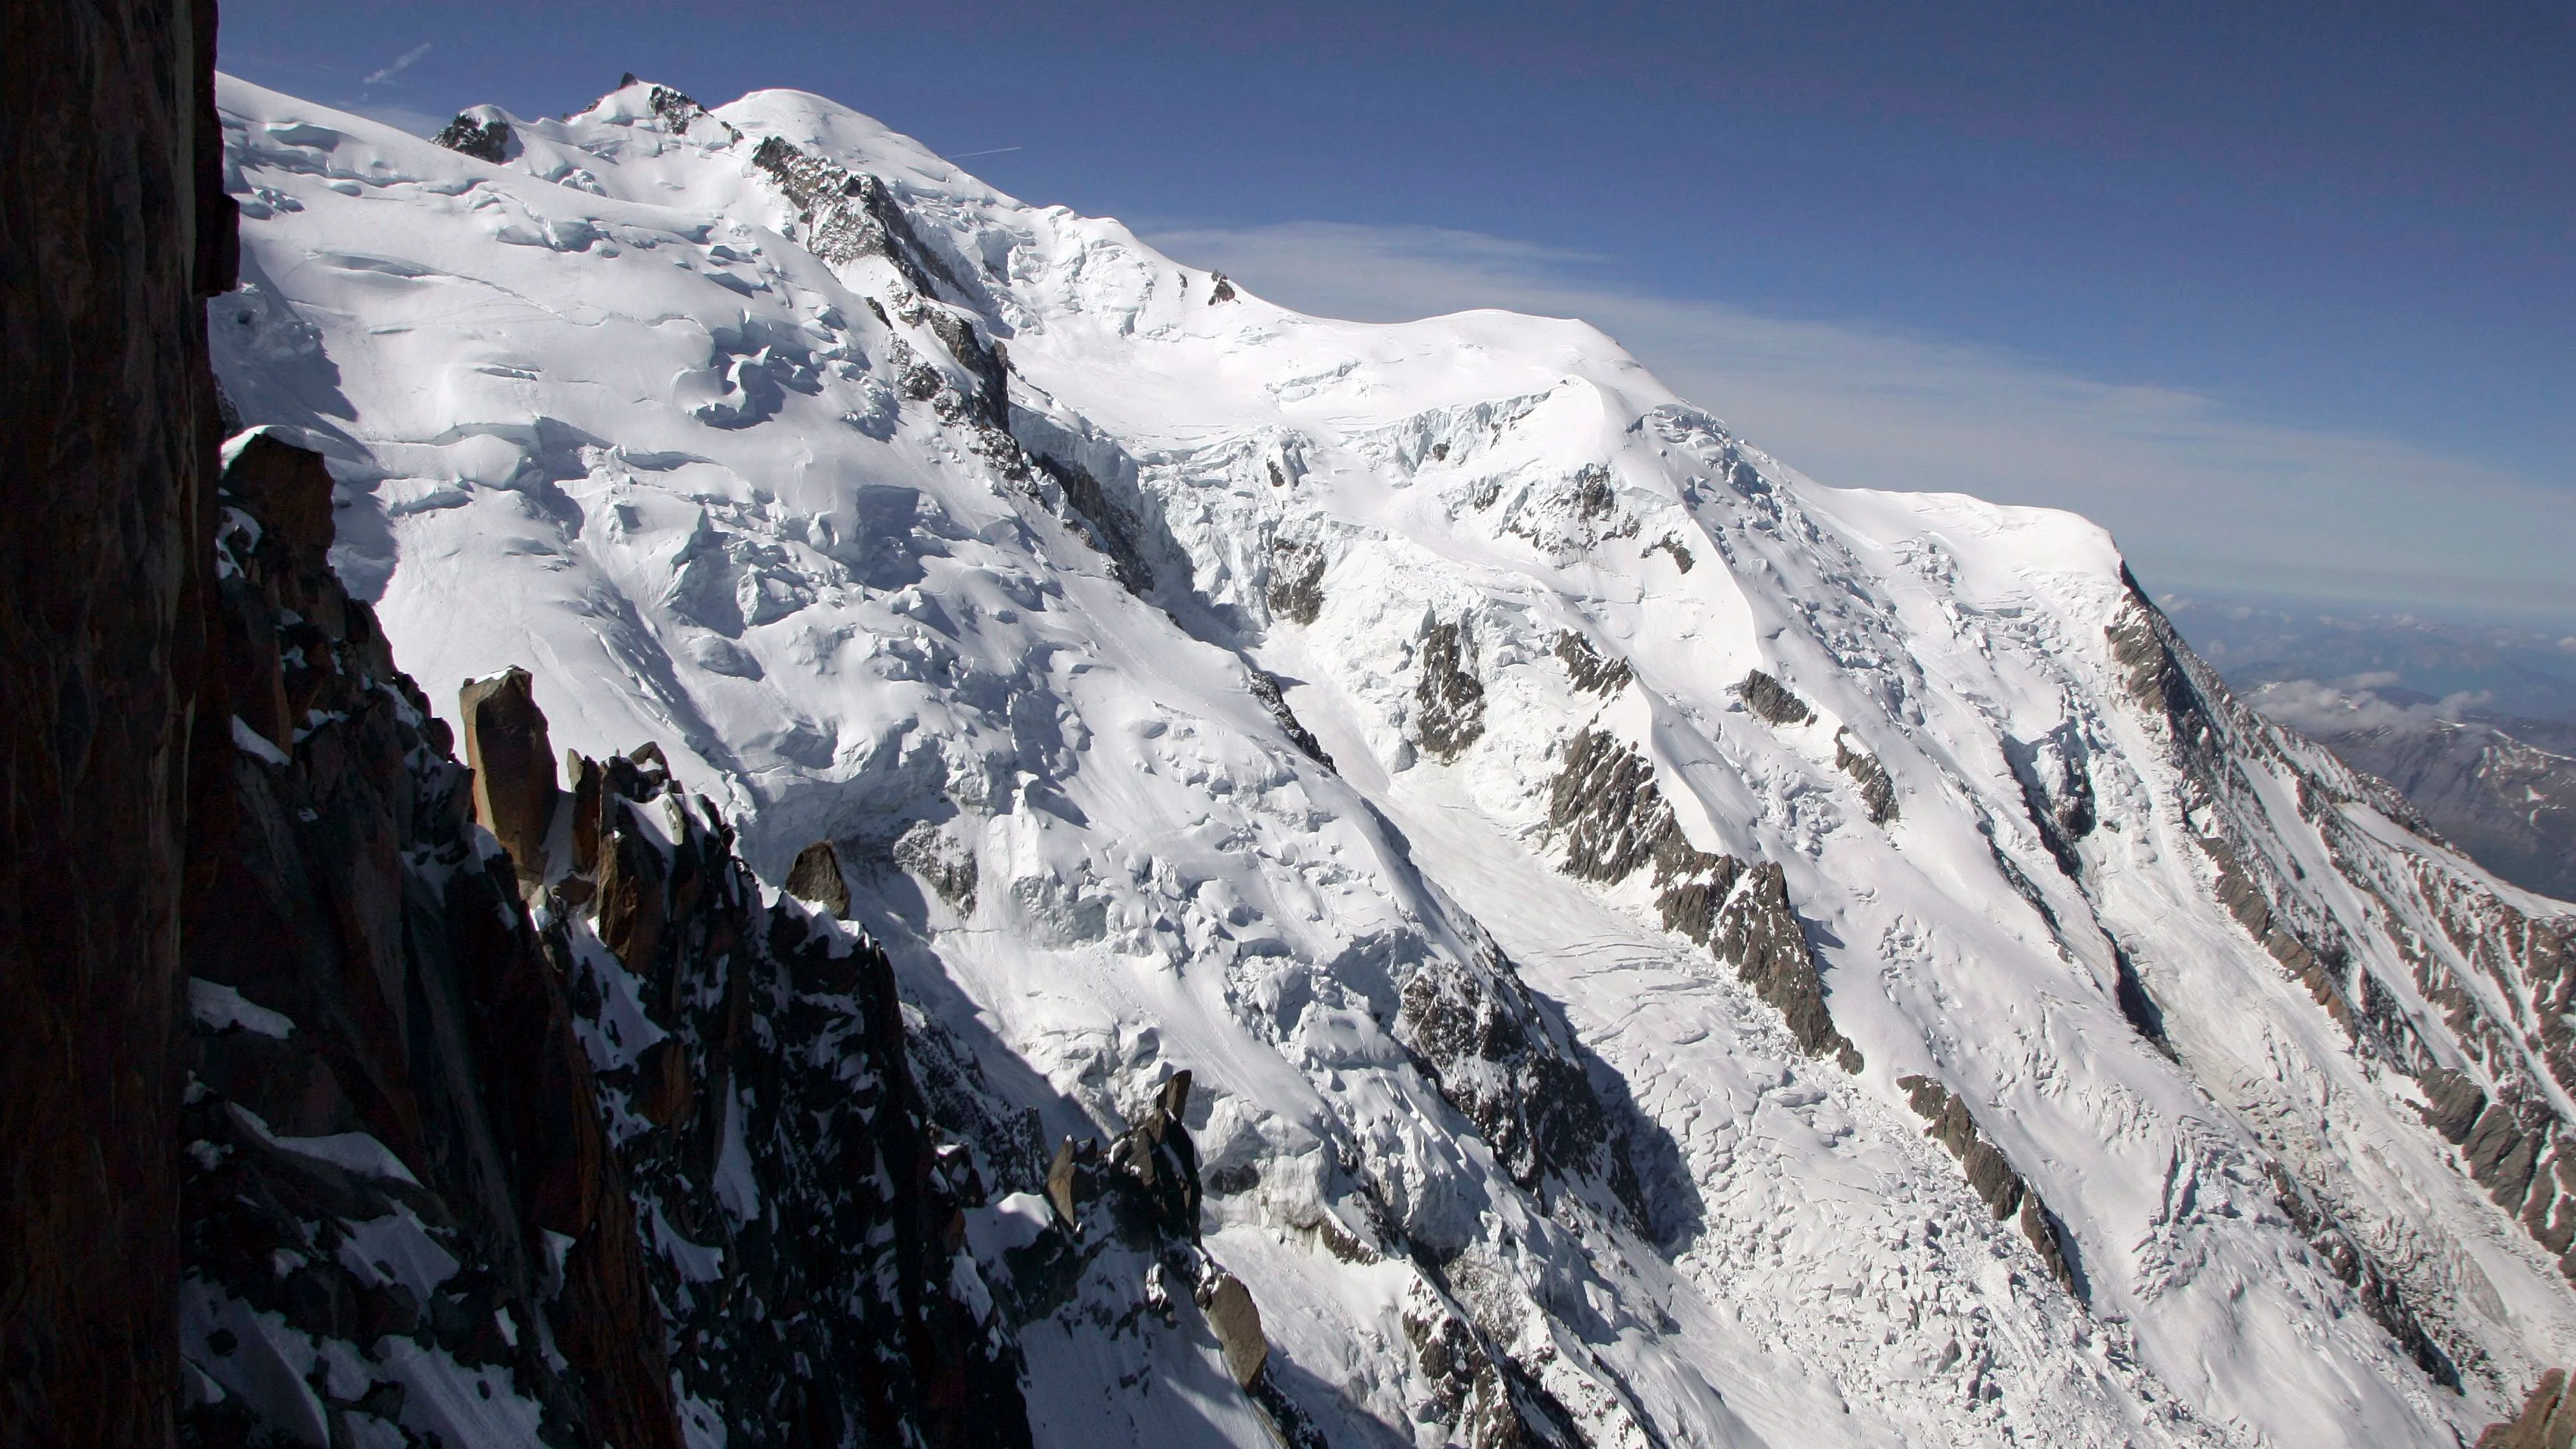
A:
(590, 1142)
(805, 1217)
(117, 226)
(400, 1206)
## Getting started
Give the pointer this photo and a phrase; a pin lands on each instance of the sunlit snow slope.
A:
(1669, 953)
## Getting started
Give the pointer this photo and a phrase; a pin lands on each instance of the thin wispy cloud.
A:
(402, 62)
(2199, 494)
(2318, 708)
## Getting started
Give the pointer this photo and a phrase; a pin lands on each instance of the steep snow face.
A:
(1574, 854)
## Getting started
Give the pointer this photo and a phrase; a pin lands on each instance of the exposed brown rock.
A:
(1691, 906)
(1449, 701)
(947, 866)
(2143, 645)
(1615, 820)
(513, 763)
(1877, 791)
(1761, 937)
(1770, 700)
(630, 912)
(1495, 1055)
(584, 782)
(1160, 1157)
(1237, 1323)
(485, 137)
(288, 490)
(663, 1091)
(1605, 801)
(1296, 591)
(816, 877)
(787, 1134)
(2056, 791)
(2239, 891)
(1103, 521)
(2547, 1420)
(432, 1019)
(2363, 1272)
(1061, 1181)
(1472, 1395)
(2500, 1153)
(1586, 669)
(1990, 1174)
(1266, 688)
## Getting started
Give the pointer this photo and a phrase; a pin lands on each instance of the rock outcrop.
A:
(503, 1148)
(1296, 591)
(1990, 1173)
(801, 1212)
(398, 1188)
(845, 216)
(1449, 700)
(1613, 817)
(482, 133)
(1761, 937)
(1499, 1058)
(1237, 1322)
(1772, 701)
(513, 760)
(816, 876)
(1265, 688)
(1615, 821)
(1119, 1235)
(1877, 791)
(1586, 668)
(2547, 1420)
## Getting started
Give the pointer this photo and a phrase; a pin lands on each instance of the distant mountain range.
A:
(2476, 724)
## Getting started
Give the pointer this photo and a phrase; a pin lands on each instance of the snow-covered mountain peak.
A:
(1669, 953)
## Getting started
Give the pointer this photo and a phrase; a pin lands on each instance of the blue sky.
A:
(2284, 294)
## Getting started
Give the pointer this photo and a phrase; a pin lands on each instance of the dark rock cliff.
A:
(1991, 1174)
(116, 227)
(395, 1178)
(804, 1218)
(487, 1145)
(1615, 821)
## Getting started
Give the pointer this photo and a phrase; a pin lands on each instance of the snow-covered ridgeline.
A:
(1044, 574)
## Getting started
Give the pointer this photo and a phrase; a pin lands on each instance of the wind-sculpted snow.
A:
(1392, 726)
